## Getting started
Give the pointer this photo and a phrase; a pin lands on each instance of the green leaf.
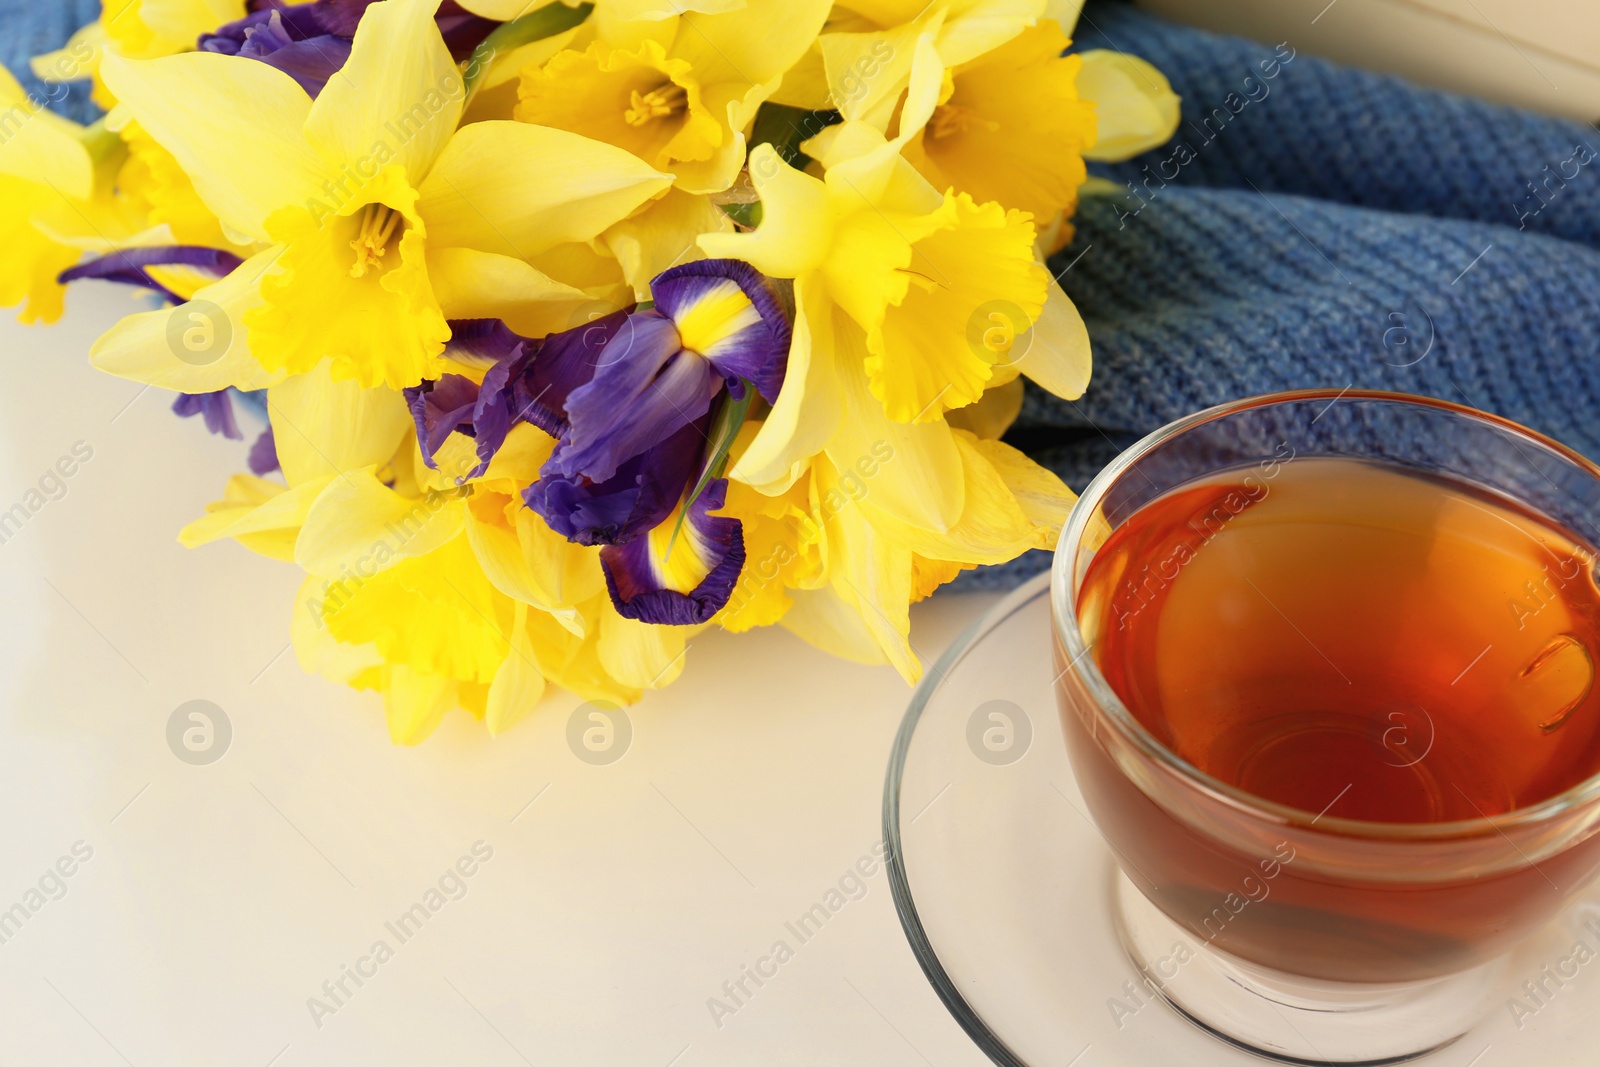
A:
(724, 431)
(548, 21)
(785, 128)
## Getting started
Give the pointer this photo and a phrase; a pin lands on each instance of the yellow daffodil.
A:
(870, 46)
(1015, 124)
(355, 195)
(680, 103)
(1010, 126)
(903, 284)
(1015, 119)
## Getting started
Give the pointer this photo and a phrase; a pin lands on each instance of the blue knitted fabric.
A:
(1325, 227)
(33, 27)
(1309, 225)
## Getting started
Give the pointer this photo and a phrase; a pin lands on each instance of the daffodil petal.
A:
(252, 505)
(993, 528)
(831, 622)
(33, 259)
(1064, 12)
(399, 91)
(752, 43)
(868, 71)
(517, 685)
(414, 703)
(640, 655)
(317, 650)
(808, 408)
(519, 190)
(235, 126)
(1058, 358)
(574, 663)
(979, 26)
(1135, 106)
(874, 570)
(479, 285)
(178, 348)
(41, 146)
(919, 467)
(1043, 497)
(519, 562)
(796, 221)
(358, 525)
(663, 235)
(322, 426)
(182, 20)
(993, 413)
(974, 287)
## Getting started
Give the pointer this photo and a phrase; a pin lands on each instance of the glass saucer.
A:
(1005, 888)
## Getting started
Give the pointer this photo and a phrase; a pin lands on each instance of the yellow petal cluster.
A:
(898, 168)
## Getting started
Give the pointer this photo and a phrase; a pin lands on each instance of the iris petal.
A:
(645, 388)
(216, 408)
(129, 265)
(440, 408)
(637, 498)
(678, 576)
(728, 312)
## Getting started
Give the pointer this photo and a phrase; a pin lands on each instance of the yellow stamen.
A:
(378, 223)
(660, 102)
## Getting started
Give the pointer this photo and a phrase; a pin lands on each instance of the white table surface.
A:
(219, 898)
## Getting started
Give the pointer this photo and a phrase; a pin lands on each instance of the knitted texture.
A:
(1323, 227)
(32, 27)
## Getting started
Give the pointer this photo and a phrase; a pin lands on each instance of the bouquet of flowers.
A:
(579, 328)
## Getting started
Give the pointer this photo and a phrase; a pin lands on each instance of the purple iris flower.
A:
(311, 42)
(635, 400)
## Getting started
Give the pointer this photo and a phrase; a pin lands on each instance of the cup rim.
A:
(1065, 618)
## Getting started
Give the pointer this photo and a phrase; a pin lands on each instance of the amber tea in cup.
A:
(1327, 677)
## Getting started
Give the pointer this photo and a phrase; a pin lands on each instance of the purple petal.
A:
(462, 30)
(217, 408)
(634, 570)
(129, 265)
(264, 454)
(310, 62)
(441, 408)
(644, 389)
(634, 500)
(566, 362)
(296, 22)
(759, 351)
(285, 36)
(481, 342)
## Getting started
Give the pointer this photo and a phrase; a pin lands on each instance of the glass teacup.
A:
(1310, 931)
